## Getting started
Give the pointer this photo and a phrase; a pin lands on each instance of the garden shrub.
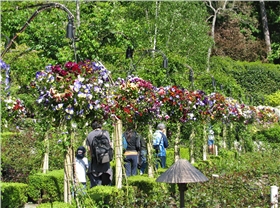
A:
(184, 153)
(15, 168)
(56, 205)
(271, 135)
(273, 99)
(169, 157)
(144, 184)
(101, 195)
(13, 195)
(46, 187)
(251, 77)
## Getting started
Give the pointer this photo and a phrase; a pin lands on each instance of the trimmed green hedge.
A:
(13, 195)
(56, 205)
(271, 135)
(46, 187)
(101, 195)
(250, 81)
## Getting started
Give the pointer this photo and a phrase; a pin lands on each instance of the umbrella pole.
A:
(182, 189)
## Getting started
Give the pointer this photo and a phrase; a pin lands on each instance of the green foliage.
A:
(144, 184)
(271, 135)
(169, 157)
(238, 184)
(275, 52)
(101, 195)
(184, 153)
(273, 99)
(23, 158)
(56, 205)
(13, 195)
(46, 187)
(253, 81)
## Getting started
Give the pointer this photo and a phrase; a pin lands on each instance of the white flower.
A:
(81, 95)
(59, 106)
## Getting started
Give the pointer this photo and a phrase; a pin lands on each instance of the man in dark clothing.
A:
(143, 156)
(131, 152)
(99, 174)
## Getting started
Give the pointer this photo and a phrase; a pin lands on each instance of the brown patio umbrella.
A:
(182, 172)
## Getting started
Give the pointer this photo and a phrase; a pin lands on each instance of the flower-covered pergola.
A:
(76, 92)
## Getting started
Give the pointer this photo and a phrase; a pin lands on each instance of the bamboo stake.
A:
(150, 152)
(118, 153)
(192, 146)
(176, 145)
(204, 142)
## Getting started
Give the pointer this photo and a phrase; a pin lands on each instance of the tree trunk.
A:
(78, 13)
(265, 26)
(118, 153)
(150, 152)
(216, 12)
(192, 146)
(176, 145)
(156, 18)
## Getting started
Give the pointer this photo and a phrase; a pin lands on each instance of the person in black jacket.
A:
(143, 156)
(131, 152)
(99, 174)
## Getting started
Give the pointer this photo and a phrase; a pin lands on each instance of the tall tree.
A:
(265, 26)
(215, 11)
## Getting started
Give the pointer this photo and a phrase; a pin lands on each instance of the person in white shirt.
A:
(81, 166)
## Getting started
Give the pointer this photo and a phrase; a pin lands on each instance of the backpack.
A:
(157, 139)
(102, 151)
(124, 142)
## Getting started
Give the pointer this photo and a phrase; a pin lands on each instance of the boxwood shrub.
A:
(13, 195)
(46, 187)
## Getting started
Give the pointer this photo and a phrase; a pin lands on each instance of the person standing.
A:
(98, 173)
(81, 165)
(160, 143)
(211, 138)
(143, 156)
(131, 152)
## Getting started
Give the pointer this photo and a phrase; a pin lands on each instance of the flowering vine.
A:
(74, 91)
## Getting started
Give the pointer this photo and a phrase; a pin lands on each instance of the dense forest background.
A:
(209, 38)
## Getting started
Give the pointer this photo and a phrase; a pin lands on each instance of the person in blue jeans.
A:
(211, 142)
(132, 140)
(143, 156)
(163, 143)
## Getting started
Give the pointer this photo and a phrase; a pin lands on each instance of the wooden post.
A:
(150, 152)
(274, 196)
(205, 144)
(224, 135)
(46, 155)
(177, 140)
(68, 169)
(192, 146)
(118, 153)
(67, 176)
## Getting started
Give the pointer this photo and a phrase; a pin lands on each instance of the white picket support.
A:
(274, 196)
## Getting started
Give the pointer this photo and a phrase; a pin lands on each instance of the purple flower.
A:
(48, 69)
